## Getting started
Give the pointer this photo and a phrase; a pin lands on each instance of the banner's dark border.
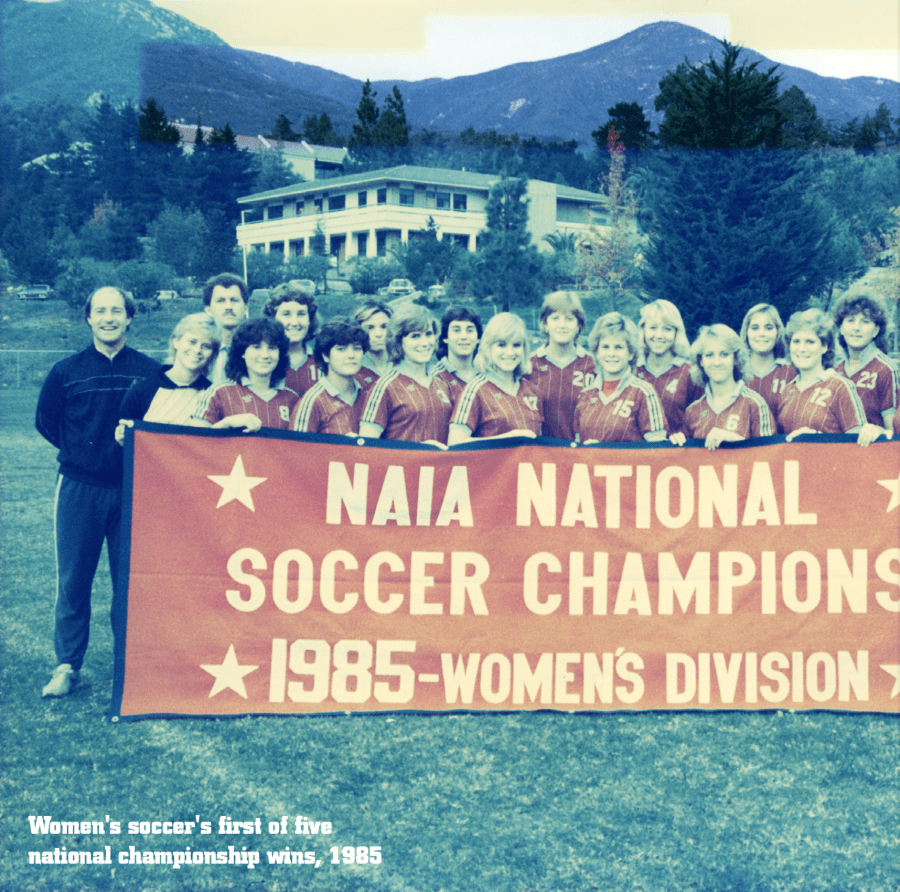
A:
(120, 596)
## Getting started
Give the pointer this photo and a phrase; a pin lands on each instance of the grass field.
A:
(540, 801)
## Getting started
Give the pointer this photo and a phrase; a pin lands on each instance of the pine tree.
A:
(720, 104)
(508, 265)
(392, 130)
(154, 127)
(632, 125)
(363, 135)
(283, 130)
(730, 229)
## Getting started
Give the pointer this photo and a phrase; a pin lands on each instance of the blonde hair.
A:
(503, 327)
(779, 351)
(731, 340)
(616, 325)
(667, 313)
(203, 324)
(822, 326)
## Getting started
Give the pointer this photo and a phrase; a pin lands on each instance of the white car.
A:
(166, 295)
(400, 287)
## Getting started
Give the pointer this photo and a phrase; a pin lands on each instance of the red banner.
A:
(285, 573)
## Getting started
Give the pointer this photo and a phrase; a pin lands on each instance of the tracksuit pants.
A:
(85, 515)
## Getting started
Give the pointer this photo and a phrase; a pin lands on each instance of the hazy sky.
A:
(414, 39)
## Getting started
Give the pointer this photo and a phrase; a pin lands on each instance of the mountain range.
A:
(132, 49)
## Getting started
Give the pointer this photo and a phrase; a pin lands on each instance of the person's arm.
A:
(50, 409)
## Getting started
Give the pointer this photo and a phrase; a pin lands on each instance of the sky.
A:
(416, 39)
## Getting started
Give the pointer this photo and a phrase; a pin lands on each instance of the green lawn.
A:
(534, 801)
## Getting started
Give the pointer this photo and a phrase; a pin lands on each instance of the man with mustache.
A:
(225, 298)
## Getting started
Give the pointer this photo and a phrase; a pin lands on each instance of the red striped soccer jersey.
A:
(626, 416)
(829, 405)
(876, 380)
(302, 378)
(559, 388)
(408, 410)
(487, 410)
(225, 400)
(455, 385)
(747, 415)
(321, 411)
(675, 389)
(770, 385)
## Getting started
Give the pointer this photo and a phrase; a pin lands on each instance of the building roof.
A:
(331, 154)
(407, 173)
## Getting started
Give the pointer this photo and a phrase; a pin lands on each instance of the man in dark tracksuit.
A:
(77, 411)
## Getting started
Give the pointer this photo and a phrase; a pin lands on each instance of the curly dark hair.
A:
(850, 305)
(291, 292)
(250, 333)
(338, 333)
(456, 314)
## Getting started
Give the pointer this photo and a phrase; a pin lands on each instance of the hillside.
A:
(75, 49)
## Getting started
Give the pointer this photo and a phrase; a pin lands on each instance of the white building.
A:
(365, 214)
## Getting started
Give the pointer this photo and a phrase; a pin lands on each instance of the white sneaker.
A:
(64, 679)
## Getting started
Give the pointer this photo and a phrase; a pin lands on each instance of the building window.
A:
(276, 211)
(295, 247)
(300, 205)
(381, 243)
(253, 215)
(442, 200)
(362, 199)
(459, 202)
(259, 249)
(407, 197)
(337, 202)
(276, 248)
(362, 243)
(318, 204)
(382, 196)
(429, 197)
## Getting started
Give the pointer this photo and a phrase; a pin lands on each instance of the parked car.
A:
(36, 292)
(166, 295)
(307, 286)
(400, 287)
(339, 286)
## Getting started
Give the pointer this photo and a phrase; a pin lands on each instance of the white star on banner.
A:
(229, 674)
(236, 485)
(893, 486)
(895, 671)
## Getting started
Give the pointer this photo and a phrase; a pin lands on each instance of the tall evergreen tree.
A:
(508, 264)
(628, 119)
(319, 130)
(723, 104)
(730, 229)
(283, 130)
(363, 135)
(392, 130)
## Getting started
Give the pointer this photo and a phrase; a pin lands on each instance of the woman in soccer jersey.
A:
(819, 401)
(763, 332)
(729, 410)
(295, 309)
(258, 358)
(862, 332)
(407, 402)
(499, 402)
(665, 365)
(334, 404)
(617, 407)
(560, 369)
(171, 395)
(457, 344)
(374, 317)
